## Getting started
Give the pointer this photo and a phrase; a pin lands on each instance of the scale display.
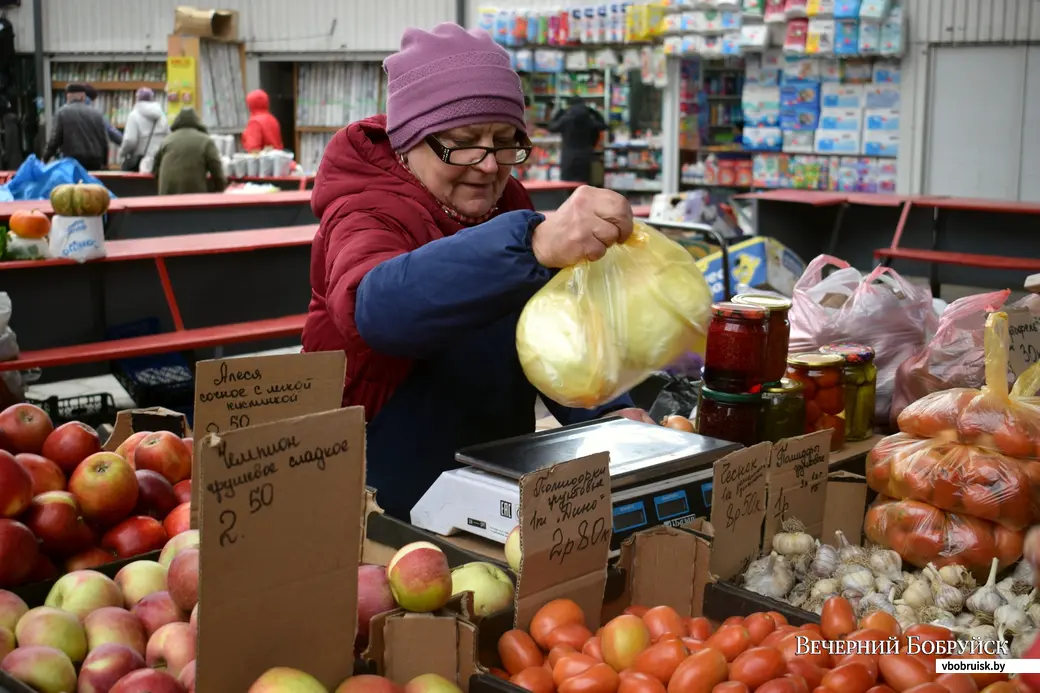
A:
(674, 506)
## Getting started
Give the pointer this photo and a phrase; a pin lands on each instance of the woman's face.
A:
(470, 190)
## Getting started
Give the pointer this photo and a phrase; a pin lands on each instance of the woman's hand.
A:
(589, 222)
(633, 414)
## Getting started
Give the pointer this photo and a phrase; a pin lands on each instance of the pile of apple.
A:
(65, 505)
(133, 634)
(288, 680)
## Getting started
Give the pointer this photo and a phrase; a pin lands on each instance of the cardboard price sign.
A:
(281, 528)
(797, 483)
(566, 520)
(738, 507)
(1024, 348)
(239, 392)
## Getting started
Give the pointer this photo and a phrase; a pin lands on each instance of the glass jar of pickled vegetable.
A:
(778, 332)
(860, 387)
(736, 349)
(783, 410)
(729, 416)
(821, 374)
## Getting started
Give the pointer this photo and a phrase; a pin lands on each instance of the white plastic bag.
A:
(77, 238)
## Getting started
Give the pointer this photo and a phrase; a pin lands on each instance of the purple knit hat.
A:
(449, 78)
(145, 94)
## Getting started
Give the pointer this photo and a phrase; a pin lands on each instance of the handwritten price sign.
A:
(1024, 349)
(738, 508)
(797, 483)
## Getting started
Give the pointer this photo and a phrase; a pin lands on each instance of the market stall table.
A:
(132, 184)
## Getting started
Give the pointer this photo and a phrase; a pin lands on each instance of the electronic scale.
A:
(658, 476)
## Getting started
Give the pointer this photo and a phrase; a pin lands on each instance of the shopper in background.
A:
(428, 250)
(146, 127)
(262, 130)
(78, 131)
(114, 135)
(579, 127)
(186, 156)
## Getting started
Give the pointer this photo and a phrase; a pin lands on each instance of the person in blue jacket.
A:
(428, 250)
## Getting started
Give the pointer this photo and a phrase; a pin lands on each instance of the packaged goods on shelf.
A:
(115, 105)
(806, 172)
(222, 88)
(312, 147)
(334, 94)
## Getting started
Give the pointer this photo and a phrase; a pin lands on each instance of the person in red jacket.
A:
(427, 251)
(262, 130)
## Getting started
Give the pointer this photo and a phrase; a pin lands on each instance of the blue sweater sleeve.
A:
(570, 415)
(417, 302)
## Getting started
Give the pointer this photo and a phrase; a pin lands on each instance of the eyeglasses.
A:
(471, 156)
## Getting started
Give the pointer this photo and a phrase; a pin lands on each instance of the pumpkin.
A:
(80, 200)
(34, 224)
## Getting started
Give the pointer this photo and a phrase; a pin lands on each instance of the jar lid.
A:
(730, 309)
(770, 303)
(784, 386)
(815, 359)
(850, 351)
(732, 398)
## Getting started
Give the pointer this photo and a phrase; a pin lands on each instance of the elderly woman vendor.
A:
(427, 252)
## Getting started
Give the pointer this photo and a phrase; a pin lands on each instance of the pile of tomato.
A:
(654, 650)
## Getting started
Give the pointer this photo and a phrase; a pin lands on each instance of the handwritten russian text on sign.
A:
(281, 540)
(565, 526)
(797, 483)
(738, 506)
(239, 392)
(1024, 333)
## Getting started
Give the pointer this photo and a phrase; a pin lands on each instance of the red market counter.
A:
(144, 184)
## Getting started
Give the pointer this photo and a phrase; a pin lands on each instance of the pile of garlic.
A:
(805, 573)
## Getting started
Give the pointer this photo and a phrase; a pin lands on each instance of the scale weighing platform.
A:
(658, 476)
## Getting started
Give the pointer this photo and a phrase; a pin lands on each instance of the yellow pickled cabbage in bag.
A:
(599, 328)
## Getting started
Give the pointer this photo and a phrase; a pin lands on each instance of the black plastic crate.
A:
(163, 380)
(93, 410)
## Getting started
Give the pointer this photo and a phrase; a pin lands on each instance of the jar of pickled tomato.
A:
(778, 332)
(860, 387)
(736, 350)
(821, 374)
(729, 416)
(783, 410)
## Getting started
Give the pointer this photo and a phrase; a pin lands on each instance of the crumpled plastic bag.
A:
(923, 534)
(957, 478)
(598, 328)
(993, 417)
(34, 180)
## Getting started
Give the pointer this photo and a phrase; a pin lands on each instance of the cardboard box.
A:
(221, 25)
(761, 263)
(845, 508)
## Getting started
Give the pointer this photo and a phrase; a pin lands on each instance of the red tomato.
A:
(636, 682)
(759, 626)
(599, 678)
(518, 651)
(803, 687)
(882, 621)
(838, 618)
(733, 620)
(874, 643)
(932, 687)
(881, 689)
(498, 673)
(558, 612)
(778, 618)
(572, 634)
(957, 683)
(731, 687)
(593, 647)
(984, 680)
(730, 640)
(757, 665)
(571, 665)
(699, 673)
(848, 678)
(806, 644)
(557, 652)
(902, 671)
(773, 638)
(535, 679)
(693, 645)
(698, 628)
(814, 627)
(869, 663)
(1000, 687)
(636, 610)
(663, 620)
(660, 660)
(807, 670)
(920, 634)
(780, 685)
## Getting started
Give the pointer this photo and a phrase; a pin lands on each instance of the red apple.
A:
(165, 453)
(45, 474)
(105, 665)
(156, 497)
(55, 519)
(194, 618)
(134, 536)
(41, 668)
(367, 683)
(70, 444)
(23, 428)
(91, 558)
(183, 491)
(177, 544)
(106, 488)
(182, 579)
(15, 486)
(18, 553)
(374, 597)
(179, 520)
(156, 610)
(128, 447)
(171, 648)
(187, 677)
(147, 681)
(113, 624)
(190, 444)
(139, 579)
(43, 570)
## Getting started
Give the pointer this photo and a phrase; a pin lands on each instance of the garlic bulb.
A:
(825, 561)
(1034, 614)
(800, 563)
(846, 551)
(1022, 601)
(946, 597)
(918, 595)
(799, 594)
(775, 580)
(859, 581)
(875, 601)
(1024, 572)
(825, 587)
(884, 585)
(905, 614)
(852, 597)
(937, 617)
(965, 619)
(957, 576)
(815, 604)
(1008, 618)
(849, 568)
(1021, 644)
(985, 633)
(986, 599)
(793, 540)
(887, 563)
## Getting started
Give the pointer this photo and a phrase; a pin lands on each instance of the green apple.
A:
(491, 587)
(49, 627)
(139, 579)
(44, 669)
(12, 608)
(281, 679)
(513, 554)
(431, 683)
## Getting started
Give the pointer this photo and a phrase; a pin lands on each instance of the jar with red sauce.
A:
(729, 416)
(778, 332)
(736, 349)
(821, 374)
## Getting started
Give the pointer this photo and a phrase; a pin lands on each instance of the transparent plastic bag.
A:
(921, 534)
(957, 478)
(599, 328)
(993, 417)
